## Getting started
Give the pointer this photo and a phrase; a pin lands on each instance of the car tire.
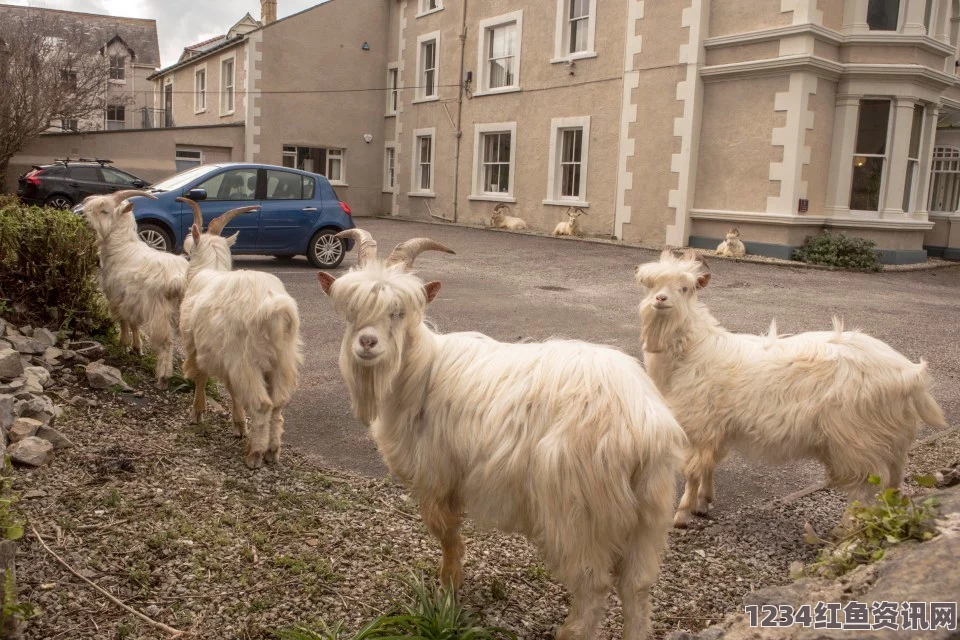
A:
(323, 250)
(59, 201)
(155, 236)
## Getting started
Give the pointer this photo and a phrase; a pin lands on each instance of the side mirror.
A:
(196, 194)
(139, 184)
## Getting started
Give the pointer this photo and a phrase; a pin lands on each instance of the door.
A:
(227, 190)
(118, 180)
(84, 181)
(288, 212)
(168, 106)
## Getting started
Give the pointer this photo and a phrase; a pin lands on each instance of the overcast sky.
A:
(179, 22)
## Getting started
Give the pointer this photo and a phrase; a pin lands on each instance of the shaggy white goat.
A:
(566, 442)
(501, 220)
(243, 328)
(732, 247)
(841, 397)
(570, 226)
(142, 286)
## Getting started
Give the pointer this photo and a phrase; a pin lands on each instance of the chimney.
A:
(268, 11)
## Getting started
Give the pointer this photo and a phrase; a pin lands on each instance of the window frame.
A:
(901, 18)
(561, 48)
(393, 89)
(884, 172)
(390, 158)
(483, 59)
(340, 154)
(200, 96)
(117, 110)
(554, 177)
(288, 151)
(433, 36)
(294, 172)
(207, 178)
(480, 131)
(176, 158)
(232, 59)
(423, 8)
(911, 180)
(121, 70)
(415, 189)
(944, 179)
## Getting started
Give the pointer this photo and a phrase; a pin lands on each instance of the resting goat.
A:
(566, 442)
(841, 397)
(243, 328)
(500, 220)
(571, 226)
(142, 286)
(732, 247)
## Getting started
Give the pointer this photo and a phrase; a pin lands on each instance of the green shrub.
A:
(838, 250)
(48, 266)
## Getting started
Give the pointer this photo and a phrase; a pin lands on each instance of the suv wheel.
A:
(326, 251)
(155, 236)
(59, 201)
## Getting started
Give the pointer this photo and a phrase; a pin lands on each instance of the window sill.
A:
(573, 57)
(197, 112)
(493, 197)
(493, 92)
(390, 191)
(390, 114)
(582, 204)
(427, 99)
(422, 194)
(227, 113)
(116, 81)
(429, 13)
(337, 183)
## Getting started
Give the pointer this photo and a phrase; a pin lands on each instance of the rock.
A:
(30, 452)
(54, 437)
(47, 337)
(86, 348)
(10, 331)
(10, 365)
(7, 414)
(42, 375)
(5, 345)
(152, 610)
(24, 428)
(102, 376)
(34, 493)
(38, 407)
(52, 355)
(69, 378)
(80, 401)
(11, 387)
(27, 345)
(26, 330)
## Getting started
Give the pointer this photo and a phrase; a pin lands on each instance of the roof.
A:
(195, 50)
(139, 34)
(183, 62)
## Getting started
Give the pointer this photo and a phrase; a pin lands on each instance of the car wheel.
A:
(326, 251)
(59, 201)
(155, 236)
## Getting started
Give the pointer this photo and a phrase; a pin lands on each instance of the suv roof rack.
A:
(67, 160)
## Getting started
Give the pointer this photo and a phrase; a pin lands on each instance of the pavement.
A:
(514, 287)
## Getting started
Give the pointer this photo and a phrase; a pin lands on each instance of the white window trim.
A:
(415, 189)
(393, 66)
(386, 187)
(427, 37)
(482, 67)
(206, 89)
(420, 8)
(553, 176)
(342, 182)
(476, 193)
(232, 56)
(200, 151)
(887, 158)
(560, 53)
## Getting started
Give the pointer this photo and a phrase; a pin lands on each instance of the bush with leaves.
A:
(48, 266)
(838, 250)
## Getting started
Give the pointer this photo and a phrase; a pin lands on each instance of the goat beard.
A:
(368, 385)
(658, 328)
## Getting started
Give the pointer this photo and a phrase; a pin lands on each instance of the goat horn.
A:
(406, 252)
(368, 246)
(120, 196)
(218, 223)
(197, 214)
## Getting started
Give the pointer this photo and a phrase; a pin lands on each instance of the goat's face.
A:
(733, 234)
(103, 215)
(209, 250)
(671, 287)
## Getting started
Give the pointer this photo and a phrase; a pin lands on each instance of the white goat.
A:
(500, 220)
(570, 226)
(142, 286)
(732, 247)
(569, 443)
(243, 328)
(841, 397)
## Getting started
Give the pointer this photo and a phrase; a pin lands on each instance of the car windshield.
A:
(183, 178)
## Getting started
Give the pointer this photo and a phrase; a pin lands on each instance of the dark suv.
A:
(67, 182)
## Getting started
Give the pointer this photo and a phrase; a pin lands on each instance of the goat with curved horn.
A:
(120, 196)
(406, 252)
(368, 246)
(218, 223)
(197, 213)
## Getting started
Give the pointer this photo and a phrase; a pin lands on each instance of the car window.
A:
(309, 185)
(116, 177)
(184, 177)
(283, 185)
(90, 174)
(53, 172)
(235, 184)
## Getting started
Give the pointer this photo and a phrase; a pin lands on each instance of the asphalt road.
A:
(515, 287)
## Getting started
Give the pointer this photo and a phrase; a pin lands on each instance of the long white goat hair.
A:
(501, 220)
(565, 442)
(143, 286)
(841, 397)
(243, 328)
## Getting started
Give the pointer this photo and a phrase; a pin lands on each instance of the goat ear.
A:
(432, 289)
(326, 281)
(232, 240)
(703, 279)
(195, 232)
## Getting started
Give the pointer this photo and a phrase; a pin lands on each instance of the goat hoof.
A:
(272, 455)
(196, 417)
(240, 429)
(254, 460)
(451, 578)
(681, 520)
(162, 384)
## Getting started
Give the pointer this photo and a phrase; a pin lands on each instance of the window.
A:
(427, 57)
(334, 171)
(327, 162)
(393, 93)
(495, 161)
(116, 117)
(429, 6)
(113, 176)
(569, 145)
(226, 87)
(390, 169)
(576, 27)
(283, 185)
(883, 15)
(187, 159)
(945, 180)
(70, 124)
(69, 78)
(499, 62)
(928, 13)
(913, 157)
(85, 174)
(118, 64)
(871, 150)
(235, 184)
(309, 185)
(423, 155)
(200, 90)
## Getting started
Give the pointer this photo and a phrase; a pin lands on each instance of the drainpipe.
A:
(461, 89)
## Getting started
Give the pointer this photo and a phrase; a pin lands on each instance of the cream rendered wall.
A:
(832, 13)
(820, 140)
(184, 113)
(736, 16)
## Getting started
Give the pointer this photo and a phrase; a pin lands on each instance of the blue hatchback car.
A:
(299, 211)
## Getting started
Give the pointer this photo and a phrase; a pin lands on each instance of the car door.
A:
(229, 189)
(84, 181)
(118, 180)
(287, 212)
